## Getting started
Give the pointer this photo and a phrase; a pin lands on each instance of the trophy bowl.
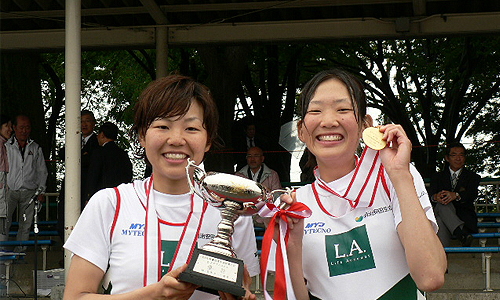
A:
(215, 266)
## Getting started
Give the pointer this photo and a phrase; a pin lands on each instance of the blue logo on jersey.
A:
(317, 227)
(135, 229)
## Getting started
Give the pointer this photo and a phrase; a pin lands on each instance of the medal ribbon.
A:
(279, 218)
(367, 174)
(152, 236)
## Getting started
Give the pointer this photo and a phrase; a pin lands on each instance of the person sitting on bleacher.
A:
(454, 191)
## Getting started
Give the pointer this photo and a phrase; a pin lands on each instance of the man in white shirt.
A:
(257, 170)
(27, 176)
(454, 191)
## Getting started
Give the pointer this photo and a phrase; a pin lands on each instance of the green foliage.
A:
(438, 89)
(434, 87)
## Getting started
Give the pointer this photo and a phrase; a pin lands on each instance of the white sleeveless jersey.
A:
(110, 234)
(357, 255)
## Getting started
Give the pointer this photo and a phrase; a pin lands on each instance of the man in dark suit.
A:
(454, 191)
(110, 165)
(89, 144)
(250, 138)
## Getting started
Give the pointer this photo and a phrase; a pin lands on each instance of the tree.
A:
(268, 93)
(434, 88)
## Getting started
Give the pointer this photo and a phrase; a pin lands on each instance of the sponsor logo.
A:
(349, 252)
(376, 211)
(422, 193)
(317, 227)
(206, 236)
(135, 229)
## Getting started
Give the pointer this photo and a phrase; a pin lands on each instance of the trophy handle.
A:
(282, 205)
(198, 172)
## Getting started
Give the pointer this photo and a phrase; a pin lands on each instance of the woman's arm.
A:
(424, 252)
(84, 279)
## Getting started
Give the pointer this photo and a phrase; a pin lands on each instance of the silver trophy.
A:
(215, 266)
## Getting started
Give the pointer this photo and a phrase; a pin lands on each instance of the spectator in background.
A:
(89, 144)
(27, 175)
(257, 170)
(5, 134)
(110, 165)
(250, 139)
(454, 191)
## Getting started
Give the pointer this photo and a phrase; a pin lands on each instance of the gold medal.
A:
(373, 138)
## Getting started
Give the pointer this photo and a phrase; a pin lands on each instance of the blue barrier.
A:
(43, 243)
(486, 256)
(8, 257)
(488, 225)
(488, 215)
(486, 235)
(41, 233)
(27, 243)
(471, 249)
(40, 223)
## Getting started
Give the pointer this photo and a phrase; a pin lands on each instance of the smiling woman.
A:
(376, 218)
(175, 120)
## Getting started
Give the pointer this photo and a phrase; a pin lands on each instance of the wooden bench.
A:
(44, 244)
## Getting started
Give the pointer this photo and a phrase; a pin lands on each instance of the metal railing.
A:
(46, 204)
(488, 199)
(489, 195)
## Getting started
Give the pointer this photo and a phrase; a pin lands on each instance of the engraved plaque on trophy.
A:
(215, 266)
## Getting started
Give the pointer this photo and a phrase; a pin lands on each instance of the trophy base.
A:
(215, 272)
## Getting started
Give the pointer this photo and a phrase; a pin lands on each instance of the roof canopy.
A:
(39, 24)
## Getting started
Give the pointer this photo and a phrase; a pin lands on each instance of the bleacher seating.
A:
(44, 244)
(40, 233)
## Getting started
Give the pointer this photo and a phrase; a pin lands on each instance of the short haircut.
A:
(171, 96)
(110, 130)
(454, 145)
(4, 119)
(86, 112)
(14, 122)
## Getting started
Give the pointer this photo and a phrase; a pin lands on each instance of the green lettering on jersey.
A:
(349, 252)
(167, 255)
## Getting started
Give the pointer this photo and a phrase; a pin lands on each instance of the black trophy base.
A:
(210, 270)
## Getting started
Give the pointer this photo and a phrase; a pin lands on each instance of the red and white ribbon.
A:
(367, 175)
(279, 218)
(152, 236)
